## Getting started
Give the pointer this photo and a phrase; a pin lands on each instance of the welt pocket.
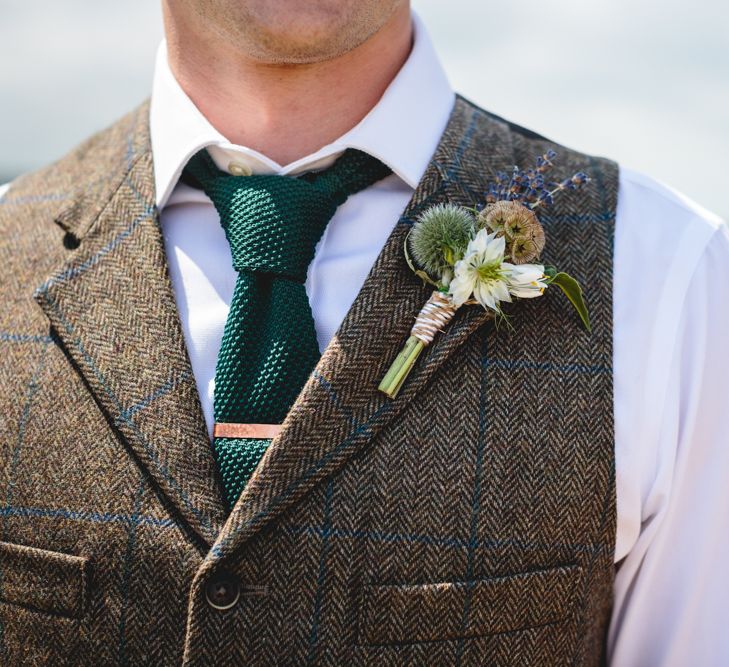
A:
(409, 613)
(41, 580)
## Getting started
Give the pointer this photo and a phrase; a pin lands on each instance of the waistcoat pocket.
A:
(42, 602)
(44, 581)
(410, 613)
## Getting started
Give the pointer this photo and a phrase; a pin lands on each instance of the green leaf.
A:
(573, 291)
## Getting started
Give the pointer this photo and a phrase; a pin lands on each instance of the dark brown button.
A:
(222, 591)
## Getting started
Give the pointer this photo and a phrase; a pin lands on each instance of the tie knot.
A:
(273, 223)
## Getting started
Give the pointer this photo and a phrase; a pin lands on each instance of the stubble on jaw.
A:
(294, 32)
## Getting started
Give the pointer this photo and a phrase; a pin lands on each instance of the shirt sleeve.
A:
(672, 587)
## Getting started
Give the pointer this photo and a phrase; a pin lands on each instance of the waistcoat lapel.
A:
(112, 306)
(340, 409)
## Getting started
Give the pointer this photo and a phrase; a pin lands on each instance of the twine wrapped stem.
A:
(433, 317)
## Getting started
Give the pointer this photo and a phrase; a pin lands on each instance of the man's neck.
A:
(286, 111)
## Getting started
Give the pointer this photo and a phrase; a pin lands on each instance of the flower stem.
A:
(395, 377)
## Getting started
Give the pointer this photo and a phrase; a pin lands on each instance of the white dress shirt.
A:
(671, 325)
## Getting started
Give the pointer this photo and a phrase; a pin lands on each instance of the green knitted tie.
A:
(269, 346)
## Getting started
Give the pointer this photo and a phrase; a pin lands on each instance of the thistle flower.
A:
(440, 237)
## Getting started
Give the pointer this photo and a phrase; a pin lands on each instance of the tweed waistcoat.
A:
(471, 521)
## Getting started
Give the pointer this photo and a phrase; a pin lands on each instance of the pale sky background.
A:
(645, 82)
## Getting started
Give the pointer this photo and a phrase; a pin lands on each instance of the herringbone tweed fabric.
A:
(469, 522)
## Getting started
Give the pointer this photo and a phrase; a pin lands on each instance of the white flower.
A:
(479, 272)
(483, 274)
(526, 280)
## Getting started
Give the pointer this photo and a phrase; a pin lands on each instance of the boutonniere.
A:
(483, 256)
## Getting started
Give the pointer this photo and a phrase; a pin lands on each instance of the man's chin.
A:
(304, 46)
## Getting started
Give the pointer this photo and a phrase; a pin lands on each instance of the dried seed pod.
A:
(523, 251)
(517, 223)
(481, 219)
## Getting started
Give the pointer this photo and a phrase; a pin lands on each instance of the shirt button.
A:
(239, 169)
(222, 591)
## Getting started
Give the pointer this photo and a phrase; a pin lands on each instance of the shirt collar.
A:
(402, 129)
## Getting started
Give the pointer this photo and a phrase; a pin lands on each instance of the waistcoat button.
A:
(222, 591)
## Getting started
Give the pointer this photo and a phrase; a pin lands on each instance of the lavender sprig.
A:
(529, 185)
